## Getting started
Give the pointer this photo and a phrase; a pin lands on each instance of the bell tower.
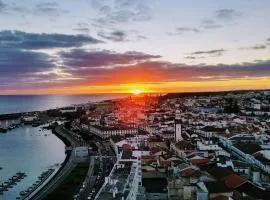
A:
(177, 127)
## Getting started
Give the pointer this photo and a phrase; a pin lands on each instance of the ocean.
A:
(26, 103)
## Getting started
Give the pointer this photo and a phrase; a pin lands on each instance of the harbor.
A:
(8, 125)
(33, 188)
(26, 149)
(11, 182)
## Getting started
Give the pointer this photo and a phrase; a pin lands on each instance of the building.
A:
(207, 146)
(68, 109)
(177, 128)
(125, 179)
(106, 132)
(81, 152)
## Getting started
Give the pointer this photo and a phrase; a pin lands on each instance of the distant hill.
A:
(191, 94)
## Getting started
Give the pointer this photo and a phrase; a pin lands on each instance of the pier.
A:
(4, 187)
(42, 179)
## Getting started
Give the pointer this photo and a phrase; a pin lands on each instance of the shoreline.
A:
(50, 182)
(89, 98)
(62, 164)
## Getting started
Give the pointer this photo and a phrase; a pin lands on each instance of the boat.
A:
(12, 126)
(3, 130)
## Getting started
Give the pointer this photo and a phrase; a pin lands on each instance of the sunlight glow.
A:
(137, 91)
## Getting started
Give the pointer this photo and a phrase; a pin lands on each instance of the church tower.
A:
(177, 127)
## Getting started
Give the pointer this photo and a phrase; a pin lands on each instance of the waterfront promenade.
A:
(63, 172)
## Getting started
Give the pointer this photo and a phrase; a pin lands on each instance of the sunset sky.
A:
(116, 46)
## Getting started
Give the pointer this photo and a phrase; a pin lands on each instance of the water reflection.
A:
(28, 150)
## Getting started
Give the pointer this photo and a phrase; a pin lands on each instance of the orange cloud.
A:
(156, 87)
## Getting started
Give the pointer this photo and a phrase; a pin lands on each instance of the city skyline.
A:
(120, 46)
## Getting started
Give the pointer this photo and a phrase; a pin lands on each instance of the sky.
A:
(118, 46)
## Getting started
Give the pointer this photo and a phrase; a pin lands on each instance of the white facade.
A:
(29, 118)
(81, 152)
(106, 133)
(208, 147)
(178, 132)
(68, 110)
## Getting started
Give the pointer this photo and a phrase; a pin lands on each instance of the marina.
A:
(30, 190)
(9, 125)
(26, 149)
(4, 187)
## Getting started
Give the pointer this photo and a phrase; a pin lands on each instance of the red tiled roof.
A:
(200, 161)
(127, 147)
(190, 172)
(233, 181)
(220, 197)
(165, 162)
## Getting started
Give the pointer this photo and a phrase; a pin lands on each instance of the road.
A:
(99, 167)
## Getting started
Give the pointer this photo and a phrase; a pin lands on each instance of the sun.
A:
(137, 91)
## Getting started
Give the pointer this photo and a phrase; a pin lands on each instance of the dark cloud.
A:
(191, 57)
(21, 65)
(81, 67)
(110, 67)
(158, 71)
(255, 47)
(194, 57)
(82, 58)
(15, 63)
(227, 14)
(210, 24)
(215, 52)
(23, 40)
(116, 36)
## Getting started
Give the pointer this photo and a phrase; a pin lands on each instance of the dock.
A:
(30, 190)
(4, 187)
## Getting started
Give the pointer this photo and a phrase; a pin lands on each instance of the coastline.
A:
(45, 190)
(16, 104)
(30, 150)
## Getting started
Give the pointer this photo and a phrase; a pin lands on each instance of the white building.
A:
(68, 109)
(125, 179)
(208, 146)
(106, 132)
(177, 127)
(81, 152)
